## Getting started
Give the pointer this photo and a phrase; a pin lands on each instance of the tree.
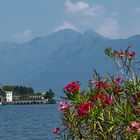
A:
(49, 94)
(8, 88)
(2, 93)
(19, 90)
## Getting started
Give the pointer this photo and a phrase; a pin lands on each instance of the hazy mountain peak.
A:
(59, 37)
(66, 32)
(93, 34)
(134, 37)
(63, 36)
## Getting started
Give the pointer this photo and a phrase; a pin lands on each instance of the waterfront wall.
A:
(27, 102)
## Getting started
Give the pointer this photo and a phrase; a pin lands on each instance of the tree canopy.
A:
(49, 94)
(19, 90)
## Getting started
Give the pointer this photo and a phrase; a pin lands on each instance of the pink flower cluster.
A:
(118, 80)
(134, 126)
(63, 105)
(72, 87)
(83, 109)
(56, 131)
(120, 53)
(131, 54)
(100, 84)
(103, 98)
(118, 85)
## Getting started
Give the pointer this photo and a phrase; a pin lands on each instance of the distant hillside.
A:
(54, 60)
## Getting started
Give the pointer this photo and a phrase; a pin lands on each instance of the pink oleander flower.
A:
(100, 84)
(118, 80)
(128, 129)
(68, 124)
(135, 124)
(83, 109)
(103, 98)
(120, 54)
(72, 87)
(131, 54)
(63, 105)
(56, 131)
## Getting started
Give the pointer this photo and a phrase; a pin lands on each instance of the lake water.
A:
(28, 122)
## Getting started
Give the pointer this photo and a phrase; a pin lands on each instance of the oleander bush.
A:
(109, 109)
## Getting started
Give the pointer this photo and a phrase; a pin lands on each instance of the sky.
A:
(23, 20)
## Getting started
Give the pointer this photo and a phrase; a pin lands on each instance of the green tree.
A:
(2, 93)
(8, 88)
(19, 90)
(49, 94)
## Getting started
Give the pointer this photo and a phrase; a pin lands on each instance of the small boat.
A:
(0, 103)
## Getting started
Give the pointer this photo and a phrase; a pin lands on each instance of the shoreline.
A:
(27, 102)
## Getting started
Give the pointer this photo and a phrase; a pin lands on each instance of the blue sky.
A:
(22, 20)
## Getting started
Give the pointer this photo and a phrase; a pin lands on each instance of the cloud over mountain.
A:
(82, 15)
(65, 25)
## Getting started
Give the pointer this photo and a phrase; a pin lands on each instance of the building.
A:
(42, 95)
(9, 96)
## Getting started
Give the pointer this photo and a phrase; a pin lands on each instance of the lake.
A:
(28, 122)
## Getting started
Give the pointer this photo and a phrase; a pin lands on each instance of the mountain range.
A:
(53, 61)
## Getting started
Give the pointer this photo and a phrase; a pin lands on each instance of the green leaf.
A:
(94, 126)
(100, 127)
(110, 129)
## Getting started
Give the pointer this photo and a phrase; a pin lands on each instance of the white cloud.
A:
(65, 25)
(84, 8)
(137, 10)
(109, 28)
(96, 10)
(23, 36)
(84, 16)
(78, 7)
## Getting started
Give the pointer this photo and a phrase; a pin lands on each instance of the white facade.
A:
(9, 96)
(42, 94)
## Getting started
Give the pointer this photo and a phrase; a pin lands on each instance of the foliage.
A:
(109, 109)
(19, 90)
(2, 93)
(23, 90)
(49, 94)
(8, 88)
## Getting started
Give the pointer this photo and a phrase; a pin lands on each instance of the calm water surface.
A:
(28, 122)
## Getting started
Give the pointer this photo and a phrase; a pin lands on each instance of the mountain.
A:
(57, 59)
